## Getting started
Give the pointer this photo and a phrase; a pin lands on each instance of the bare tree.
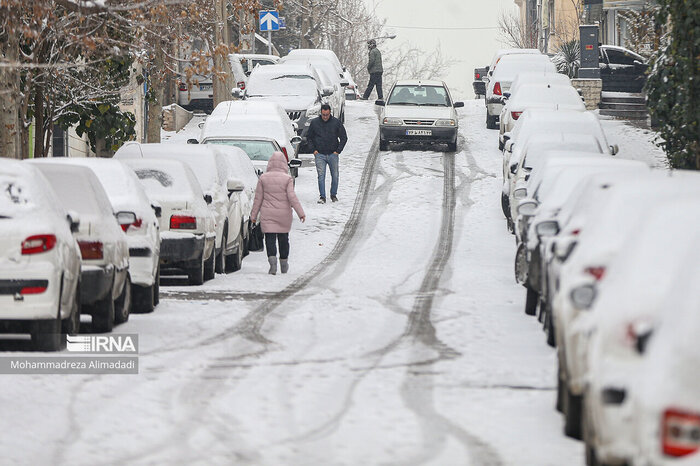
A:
(513, 33)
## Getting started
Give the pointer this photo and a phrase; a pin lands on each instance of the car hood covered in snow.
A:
(414, 111)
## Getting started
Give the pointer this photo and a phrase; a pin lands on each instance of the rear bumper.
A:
(494, 107)
(398, 134)
(185, 251)
(96, 283)
(18, 306)
(143, 263)
(479, 87)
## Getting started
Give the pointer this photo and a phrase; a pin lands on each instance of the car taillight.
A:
(477, 76)
(90, 249)
(241, 85)
(497, 89)
(38, 243)
(516, 115)
(136, 225)
(680, 433)
(596, 272)
(32, 290)
(183, 222)
(284, 151)
(183, 86)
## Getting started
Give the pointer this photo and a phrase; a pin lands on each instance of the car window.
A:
(78, 192)
(16, 196)
(286, 84)
(419, 95)
(160, 183)
(262, 62)
(619, 57)
(256, 150)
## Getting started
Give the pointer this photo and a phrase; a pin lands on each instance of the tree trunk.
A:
(155, 107)
(101, 149)
(39, 122)
(10, 129)
(222, 77)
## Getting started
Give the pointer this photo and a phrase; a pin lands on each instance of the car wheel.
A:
(383, 145)
(142, 298)
(156, 287)
(501, 145)
(548, 323)
(46, 334)
(103, 315)
(209, 265)
(591, 454)
(71, 325)
(452, 147)
(572, 405)
(195, 275)
(505, 205)
(122, 306)
(220, 258)
(234, 261)
(560, 394)
(531, 301)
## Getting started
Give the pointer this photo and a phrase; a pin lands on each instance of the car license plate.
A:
(419, 132)
(205, 87)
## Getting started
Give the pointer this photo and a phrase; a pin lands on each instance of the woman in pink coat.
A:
(274, 199)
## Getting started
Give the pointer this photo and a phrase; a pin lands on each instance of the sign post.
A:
(269, 21)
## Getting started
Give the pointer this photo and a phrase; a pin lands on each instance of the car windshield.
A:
(431, 96)
(288, 84)
(256, 150)
(162, 183)
(15, 196)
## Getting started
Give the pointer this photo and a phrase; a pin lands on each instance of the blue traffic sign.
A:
(269, 20)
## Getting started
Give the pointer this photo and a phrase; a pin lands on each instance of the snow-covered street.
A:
(397, 337)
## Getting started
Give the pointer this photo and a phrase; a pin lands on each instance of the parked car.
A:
(218, 185)
(250, 60)
(249, 120)
(419, 111)
(187, 226)
(622, 70)
(198, 92)
(297, 88)
(664, 404)
(544, 96)
(627, 304)
(39, 258)
(504, 52)
(329, 77)
(240, 77)
(319, 53)
(508, 68)
(143, 237)
(105, 291)
(480, 78)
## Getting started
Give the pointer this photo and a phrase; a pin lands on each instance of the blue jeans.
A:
(331, 160)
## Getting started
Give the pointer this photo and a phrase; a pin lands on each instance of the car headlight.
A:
(313, 111)
(393, 121)
(445, 123)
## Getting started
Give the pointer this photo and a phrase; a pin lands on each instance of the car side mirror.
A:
(73, 220)
(458, 104)
(158, 210)
(527, 207)
(237, 92)
(380, 102)
(506, 95)
(614, 149)
(506, 137)
(344, 83)
(509, 146)
(234, 185)
(258, 172)
(208, 199)
(192, 141)
(514, 169)
(294, 163)
(295, 140)
(547, 228)
(125, 218)
(327, 91)
(200, 125)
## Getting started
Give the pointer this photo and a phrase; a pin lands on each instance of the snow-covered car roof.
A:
(241, 167)
(119, 182)
(541, 146)
(24, 191)
(534, 120)
(546, 95)
(263, 80)
(78, 189)
(222, 127)
(420, 82)
(166, 179)
(503, 52)
(248, 107)
(555, 79)
(322, 65)
(510, 65)
(325, 53)
(261, 56)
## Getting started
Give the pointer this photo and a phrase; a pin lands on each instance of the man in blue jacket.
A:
(326, 138)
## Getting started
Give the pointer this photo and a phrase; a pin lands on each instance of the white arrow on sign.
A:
(269, 18)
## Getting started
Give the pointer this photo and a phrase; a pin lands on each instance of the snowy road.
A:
(398, 337)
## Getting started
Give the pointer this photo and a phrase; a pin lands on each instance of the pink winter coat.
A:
(275, 197)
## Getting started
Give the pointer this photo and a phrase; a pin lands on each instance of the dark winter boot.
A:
(284, 265)
(273, 265)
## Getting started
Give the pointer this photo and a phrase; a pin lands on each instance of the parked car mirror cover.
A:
(295, 140)
(234, 185)
(458, 104)
(527, 207)
(208, 199)
(125, 218)
(614, 149)
(547, 228)
(294, 163)
(73, 220)
(192, 141)
(379, 102)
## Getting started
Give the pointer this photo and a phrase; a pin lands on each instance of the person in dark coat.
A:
(275, 199)
(375, 70)
(326, 138)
